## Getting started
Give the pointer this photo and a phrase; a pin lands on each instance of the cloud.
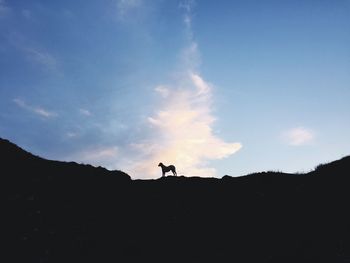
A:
(125, 6)
(202, 87)
(183, 133)
(72, 135)
(4, 9)
(190, 57)
(298, 136)
(85, 112)
(187, 6)
(163, 91)
(33, 52)
(34, 109)
(43, 58)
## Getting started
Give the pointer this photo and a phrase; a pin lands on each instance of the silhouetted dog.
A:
(166, 169)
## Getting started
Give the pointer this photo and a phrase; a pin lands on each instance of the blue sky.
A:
(214, 88)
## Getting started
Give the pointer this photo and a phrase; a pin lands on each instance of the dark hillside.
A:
(66, 212)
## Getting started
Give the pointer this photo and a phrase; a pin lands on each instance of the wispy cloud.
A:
(125, 6)
(187, 6)
(4, 9)
(41, 57)
(163, 91)
(72, 135)
(34, 109)
(33, 52)
(85, 112)
(190, 55)
(182, 126)
(298, 136)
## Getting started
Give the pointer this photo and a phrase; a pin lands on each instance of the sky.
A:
(215, 88)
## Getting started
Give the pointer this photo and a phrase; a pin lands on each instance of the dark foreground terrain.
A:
(65, 212)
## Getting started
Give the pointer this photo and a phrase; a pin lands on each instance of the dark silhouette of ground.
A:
(66, 212)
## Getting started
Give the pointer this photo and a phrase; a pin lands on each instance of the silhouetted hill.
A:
(66, 212)
(339, 167)
(14, 159)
